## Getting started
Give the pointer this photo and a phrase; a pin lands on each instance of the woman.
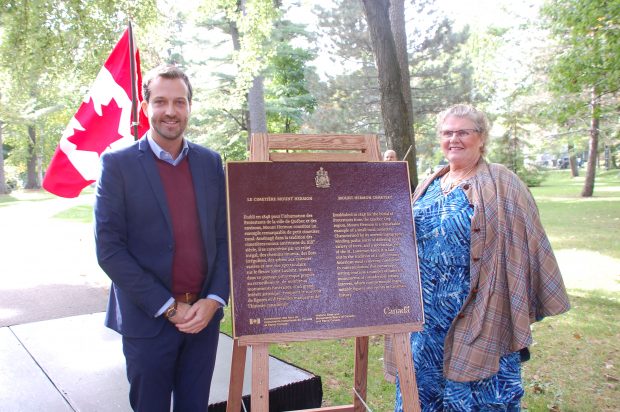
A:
(487, 271)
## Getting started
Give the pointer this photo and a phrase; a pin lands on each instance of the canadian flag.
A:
(102, 122)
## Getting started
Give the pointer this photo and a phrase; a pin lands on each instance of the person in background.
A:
(161, 236)
(487, 272)
(389, 155)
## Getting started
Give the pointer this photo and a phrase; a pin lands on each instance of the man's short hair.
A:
(166, 71)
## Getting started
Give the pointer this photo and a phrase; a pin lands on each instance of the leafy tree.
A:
(587, 63)
(4, 189)
(512, 147)
(397, 117)
(287, 97)
(250, 24)
(348, 100)
(277, 91)
(43, 41)
(440, 73)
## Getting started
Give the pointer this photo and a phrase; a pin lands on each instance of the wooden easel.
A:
(329, 148)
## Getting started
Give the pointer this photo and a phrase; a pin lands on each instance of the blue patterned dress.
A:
(443, 225)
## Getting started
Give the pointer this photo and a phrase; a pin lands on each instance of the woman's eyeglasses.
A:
(447, 134)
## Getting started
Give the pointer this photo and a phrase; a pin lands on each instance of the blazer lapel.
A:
(201, 188)
(147, 160)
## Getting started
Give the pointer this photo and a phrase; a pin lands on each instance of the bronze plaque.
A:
(318, 246)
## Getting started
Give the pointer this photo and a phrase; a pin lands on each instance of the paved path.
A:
(48, 268)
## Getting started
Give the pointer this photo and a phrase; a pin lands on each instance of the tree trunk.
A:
(588, 186)
(394, 111)
(256, 114)
(397, 23)
(32, 181)
(572, 161)
(257, 122)
(607, 152)
(236, 40)
(3, 187)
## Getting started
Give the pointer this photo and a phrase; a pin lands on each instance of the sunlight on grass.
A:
(573, 222)
(589, 270)
(24, 196)
(82, 213)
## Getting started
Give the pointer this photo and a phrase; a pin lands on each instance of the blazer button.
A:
(476, 259)
(477, 229)
(471, 206)
(474, 290)
(466, 186)
(460, 316)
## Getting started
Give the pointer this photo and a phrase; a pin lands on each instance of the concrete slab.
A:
(38, 303)
(24, 387)
(84, 361)
(82, 357)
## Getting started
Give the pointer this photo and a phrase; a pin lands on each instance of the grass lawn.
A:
(573, 222)
(575, 362)
(24, 195)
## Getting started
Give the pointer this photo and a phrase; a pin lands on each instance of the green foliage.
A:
(48, 39)
(586, 66)
(222, 134)
(349, 102)
(512, 147)
(284, 68)
(253, 25)
(441, 72)
(48, 49)
(286, 96)
(589, 40)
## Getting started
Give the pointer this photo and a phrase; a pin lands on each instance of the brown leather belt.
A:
(190, 298)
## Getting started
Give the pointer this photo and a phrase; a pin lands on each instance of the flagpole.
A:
(134, 95)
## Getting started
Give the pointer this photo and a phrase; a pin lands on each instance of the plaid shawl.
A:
(514, 277)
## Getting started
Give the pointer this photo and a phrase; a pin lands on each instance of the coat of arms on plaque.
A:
(322, 179)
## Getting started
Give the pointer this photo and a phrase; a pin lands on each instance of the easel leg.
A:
(406, 372)
(237, 369)
(260, 378)
(361, 372)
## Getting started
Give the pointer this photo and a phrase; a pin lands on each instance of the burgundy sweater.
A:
(189, 264)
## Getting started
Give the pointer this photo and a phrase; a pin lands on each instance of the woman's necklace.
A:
(447, 183)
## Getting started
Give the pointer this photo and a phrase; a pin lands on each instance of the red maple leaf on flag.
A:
(116, 89)
(102, 130)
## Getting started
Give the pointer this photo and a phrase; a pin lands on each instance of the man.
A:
(389, 156)
(161, 236)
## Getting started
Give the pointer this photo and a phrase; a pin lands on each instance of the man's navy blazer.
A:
(134, 240)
